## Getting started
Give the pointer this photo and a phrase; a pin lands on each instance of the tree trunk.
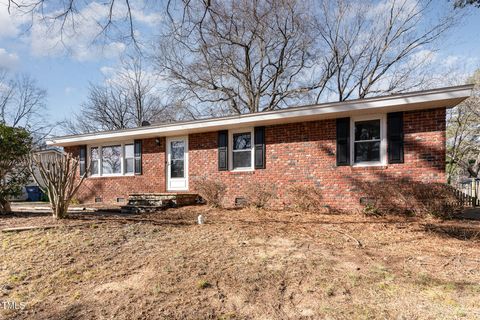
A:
(60, 210)
(5, 206)
(60, 174)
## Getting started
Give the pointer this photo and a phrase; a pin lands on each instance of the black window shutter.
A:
(343, 141)
(259, 147)
(395, 137)
(83, 160)
(138, 156)
(223, 150)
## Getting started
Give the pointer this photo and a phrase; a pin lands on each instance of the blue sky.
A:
(66, 75)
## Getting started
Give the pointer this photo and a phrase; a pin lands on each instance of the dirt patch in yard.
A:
(242, 264)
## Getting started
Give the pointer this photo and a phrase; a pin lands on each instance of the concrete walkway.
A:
(42, 207)
(471, 214)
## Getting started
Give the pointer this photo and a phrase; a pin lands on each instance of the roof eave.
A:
(436, 98)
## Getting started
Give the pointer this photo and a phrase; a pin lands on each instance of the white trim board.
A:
(436, 98)
(177, 184)
(252, 149)
(383, 140)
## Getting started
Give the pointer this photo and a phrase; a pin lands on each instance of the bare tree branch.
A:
(253, 56)
(23, 104)
(127, 99)
(59, 179)
(243, 57)
(463, 137)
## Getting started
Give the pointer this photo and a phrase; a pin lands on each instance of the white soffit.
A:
(436, 98)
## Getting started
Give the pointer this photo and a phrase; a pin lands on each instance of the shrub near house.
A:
(15, 144)
(335, 148)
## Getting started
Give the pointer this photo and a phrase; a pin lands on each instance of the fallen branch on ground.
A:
(359, 244)
(30, 228)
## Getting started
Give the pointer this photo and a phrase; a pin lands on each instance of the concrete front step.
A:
(151, 202)
(147, 202)
(142, 209)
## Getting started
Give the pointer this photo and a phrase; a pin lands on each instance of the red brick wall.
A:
(109, 188)
(304, 153)
(298, 153)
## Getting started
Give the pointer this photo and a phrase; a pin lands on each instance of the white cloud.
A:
(10, 23)
(152, 19)
(107, 71)
(78, 40)
(451, 60)
(8, 60)
(81, 37)
(69, 90)
(423, 56)
(403, 8)
(4, 86)
(119, 75)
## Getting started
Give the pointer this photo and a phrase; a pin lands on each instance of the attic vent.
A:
(98, 199)
(145, 123)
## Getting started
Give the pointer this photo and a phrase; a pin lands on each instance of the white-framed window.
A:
(368, 137)
(112, 159)
(95, 160)
(129, 159)
(241, 150)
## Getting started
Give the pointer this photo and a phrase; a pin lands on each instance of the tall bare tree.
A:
(115, 18)
(142, 91)
(243, 56)
(463, 136)
(378, 47)
(259, 55)
(23, 104)
(106, 108)
(464, 3)
(128, 98)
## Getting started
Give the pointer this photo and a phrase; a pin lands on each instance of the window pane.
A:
(129, 151)
(111, 159)
(129, 156)
(94, 156)
(367, 151)
(129, 165)
(367, 130)
(242, 141)
(177, 150)
(242, 159)
(176, 169)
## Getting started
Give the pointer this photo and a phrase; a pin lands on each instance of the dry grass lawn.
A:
(242, 264)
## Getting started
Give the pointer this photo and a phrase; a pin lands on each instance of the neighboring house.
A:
(331, 146)
(31, 191)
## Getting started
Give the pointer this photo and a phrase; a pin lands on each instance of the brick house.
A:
(331, 146)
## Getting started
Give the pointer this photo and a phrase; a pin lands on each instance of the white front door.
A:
(177, 163)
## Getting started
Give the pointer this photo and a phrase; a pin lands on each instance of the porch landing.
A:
(151, 202)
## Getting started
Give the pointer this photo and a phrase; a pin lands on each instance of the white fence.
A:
(468, 192)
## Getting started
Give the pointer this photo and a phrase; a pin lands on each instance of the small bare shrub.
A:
(436, 199)
(259, 194)
(211, 191)
(410, 198)
(306, 198)
(371, 209)
(58, 173)
(203, 284)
